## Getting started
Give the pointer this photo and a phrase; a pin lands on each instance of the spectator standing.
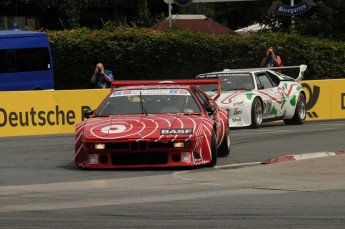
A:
(101, 78)
(271, 59)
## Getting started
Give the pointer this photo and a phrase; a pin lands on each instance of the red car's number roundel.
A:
(113, 129)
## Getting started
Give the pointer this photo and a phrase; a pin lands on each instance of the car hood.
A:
(140, 127)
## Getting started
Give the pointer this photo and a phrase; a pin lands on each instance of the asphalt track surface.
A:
(41, 188)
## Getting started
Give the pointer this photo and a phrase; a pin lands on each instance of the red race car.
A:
(153, 124)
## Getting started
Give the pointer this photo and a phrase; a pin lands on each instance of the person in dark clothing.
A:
(271, 59)
(101, 78)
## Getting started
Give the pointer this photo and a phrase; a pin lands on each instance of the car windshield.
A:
(232, 82)
(149, 102)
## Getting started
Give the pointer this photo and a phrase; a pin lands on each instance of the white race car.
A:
(258, 95)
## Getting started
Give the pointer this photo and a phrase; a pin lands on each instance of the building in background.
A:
(19, 22)
(194, 23)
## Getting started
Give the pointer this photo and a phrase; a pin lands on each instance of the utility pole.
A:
(292, 3)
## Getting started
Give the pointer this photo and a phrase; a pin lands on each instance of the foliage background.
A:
(138, 53)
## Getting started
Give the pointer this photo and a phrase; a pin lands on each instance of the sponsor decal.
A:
(213, 75)
(236, 119)
(176, 131)
(151, 92)
(287, 10)
(237, 111)
(116, 93)
(33, 117)
(313, 97)
(224, 75)
(238, 104)
(183, 92)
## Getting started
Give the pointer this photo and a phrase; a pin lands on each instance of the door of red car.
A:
(206, 101)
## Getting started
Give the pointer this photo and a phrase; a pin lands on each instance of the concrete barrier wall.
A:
(57, 112)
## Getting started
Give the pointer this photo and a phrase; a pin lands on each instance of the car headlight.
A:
(178, 144)
(181, 144)
(99, 146)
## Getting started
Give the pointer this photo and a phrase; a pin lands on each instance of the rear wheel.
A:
(256, 113)
(300, 112)
(213, 149)
(224, 148)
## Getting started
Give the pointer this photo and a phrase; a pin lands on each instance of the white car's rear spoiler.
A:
(302, 69)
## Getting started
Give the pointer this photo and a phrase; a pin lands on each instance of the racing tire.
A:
(213, 149)
(224, 148)
(300, 112)
(256, 113)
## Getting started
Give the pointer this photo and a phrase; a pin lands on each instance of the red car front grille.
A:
(139, 146)
(147, 158)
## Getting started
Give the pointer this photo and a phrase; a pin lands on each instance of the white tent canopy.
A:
(252, 28)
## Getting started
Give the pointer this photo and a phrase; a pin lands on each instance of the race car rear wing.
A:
(302, 68)
(122, 83)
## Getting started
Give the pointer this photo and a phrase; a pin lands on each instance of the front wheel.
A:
(256, 113)
(213, 149)
(224, 148)
(300, 112)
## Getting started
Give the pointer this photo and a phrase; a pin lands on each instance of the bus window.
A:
(23, 60)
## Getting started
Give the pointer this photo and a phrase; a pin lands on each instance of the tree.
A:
(236, 15)
(140, 13)
(207, 9)
(56, 14)
(143, 18)
(325, 20)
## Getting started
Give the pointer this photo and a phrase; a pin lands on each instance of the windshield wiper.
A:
(101, 115)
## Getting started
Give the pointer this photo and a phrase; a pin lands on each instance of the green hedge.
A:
(148, 54)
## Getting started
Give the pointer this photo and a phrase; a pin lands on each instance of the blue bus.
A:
(25, 61)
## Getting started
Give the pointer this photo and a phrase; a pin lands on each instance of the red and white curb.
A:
(301, 157)
(286, 158)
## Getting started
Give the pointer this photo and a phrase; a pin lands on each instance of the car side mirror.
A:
(87, 113)
(260, 87)
(210, 109)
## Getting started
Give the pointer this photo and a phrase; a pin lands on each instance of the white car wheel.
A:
(300, 112)
(256, 113)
